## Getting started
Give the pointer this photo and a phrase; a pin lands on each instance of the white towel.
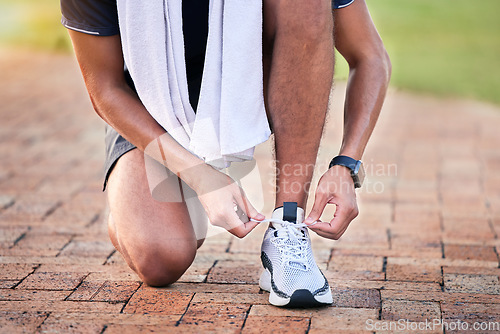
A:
(231, 118)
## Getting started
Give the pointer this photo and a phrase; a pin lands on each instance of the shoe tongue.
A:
(289, 212)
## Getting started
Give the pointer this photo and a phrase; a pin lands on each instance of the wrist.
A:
(195, 176)
(355, 168)
(352, 153)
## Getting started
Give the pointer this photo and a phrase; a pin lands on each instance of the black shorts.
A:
(116, 145)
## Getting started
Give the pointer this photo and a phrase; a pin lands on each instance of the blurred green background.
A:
(444, 47)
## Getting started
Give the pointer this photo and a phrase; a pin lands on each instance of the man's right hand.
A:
(220, 195)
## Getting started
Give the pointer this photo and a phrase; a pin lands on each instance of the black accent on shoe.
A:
(290, 211)
(269, 266)
(303, 299)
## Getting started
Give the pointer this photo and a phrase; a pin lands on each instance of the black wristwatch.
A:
(356, 167)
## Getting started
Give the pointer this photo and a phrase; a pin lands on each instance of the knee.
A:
(158, 269)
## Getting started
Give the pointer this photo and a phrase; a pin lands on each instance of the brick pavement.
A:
(424, 247)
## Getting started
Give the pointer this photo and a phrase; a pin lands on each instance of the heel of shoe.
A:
(265, 280)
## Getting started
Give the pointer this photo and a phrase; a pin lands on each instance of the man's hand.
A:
(220, 195)
(335, 187)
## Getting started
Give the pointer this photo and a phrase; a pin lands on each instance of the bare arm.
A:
(358, 41)
(101, 63)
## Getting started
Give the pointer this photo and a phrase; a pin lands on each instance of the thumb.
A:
(317, 209)
(247, 207)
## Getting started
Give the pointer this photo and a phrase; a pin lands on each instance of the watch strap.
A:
(345, 161)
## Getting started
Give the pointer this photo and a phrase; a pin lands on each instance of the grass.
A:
(445, 47)
(33, 24)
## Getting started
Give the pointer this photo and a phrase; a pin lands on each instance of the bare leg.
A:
(298, 63)
(156, 239)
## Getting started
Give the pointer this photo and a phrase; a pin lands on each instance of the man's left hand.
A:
(335, 187)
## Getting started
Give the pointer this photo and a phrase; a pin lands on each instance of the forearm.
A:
(366, 89)
(121, 108)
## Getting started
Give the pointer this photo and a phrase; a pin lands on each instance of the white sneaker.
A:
(290, 273)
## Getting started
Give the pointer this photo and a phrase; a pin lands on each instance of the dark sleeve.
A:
(336, 4)
(95, 17)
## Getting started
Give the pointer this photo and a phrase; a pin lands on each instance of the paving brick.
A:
(413, 273)
(116, 291)
(259, 324)
(60, 306)
(468, 228)
(472, 312)
(231, 298)
(484, 284)
(472, 270)
(19, 294)
(21, 183)
(20, 322)
(214, 317)
(438, 296)
(126, 319)
(331, 313)
(15, 271)
(322, 318)
(406, 195)
(354, 275)
(356, 298)
(139, 329)
(231, 272)
(353, 319)
(73, 216)
(401, 252)
(36, 245)
(10, 234)
(8, 284)
(368, 240)
(74, 267)
(86, 290)
(34, 205)
(88, 248)
(197, 272)
(52, 281)
(247, 245)
(114, 275)
(433, 262)
(49, 260)
(410, 310)
(215, 288)
(88, 328)
(356, 263)
(116, 259)
(389, 285)
(158, 301)
(467, 252)
(415, 240)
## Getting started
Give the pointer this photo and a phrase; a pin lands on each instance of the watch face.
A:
(359, 174)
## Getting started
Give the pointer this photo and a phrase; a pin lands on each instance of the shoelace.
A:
(294, 251)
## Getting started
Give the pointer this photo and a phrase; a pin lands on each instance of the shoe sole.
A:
(300, 298)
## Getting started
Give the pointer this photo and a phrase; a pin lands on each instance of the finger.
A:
(241, 229)
(328, 231)
(343, 216)
(247, 207)
(320, 201)
(338, 225)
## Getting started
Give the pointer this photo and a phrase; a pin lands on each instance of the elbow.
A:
(386, 65)
(102, 99)
(373, 60)
(382, 62)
